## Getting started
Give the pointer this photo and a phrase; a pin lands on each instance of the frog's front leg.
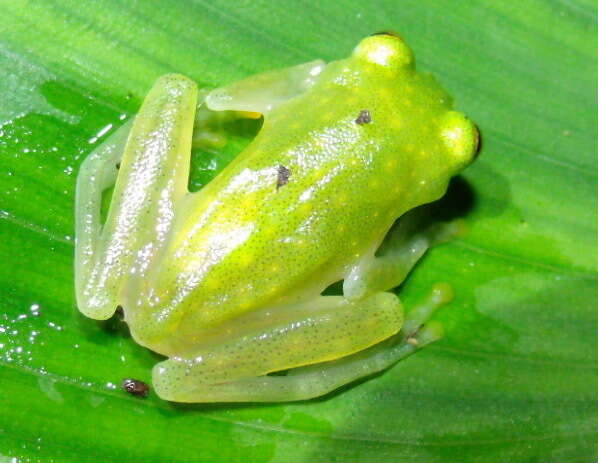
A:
(251, 97)
(236, 372)
(320, 330)
(152, 178)
(263, 92)
(404, 245)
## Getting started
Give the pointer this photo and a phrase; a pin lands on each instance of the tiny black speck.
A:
(120, 313)
(136, 387)
(283, 176)
(364, 117)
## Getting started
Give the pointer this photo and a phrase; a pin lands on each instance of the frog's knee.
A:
(460, 136)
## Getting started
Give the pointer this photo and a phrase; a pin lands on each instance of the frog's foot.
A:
(225, 381)
(152, 177)
(400, 251)
(226, 368)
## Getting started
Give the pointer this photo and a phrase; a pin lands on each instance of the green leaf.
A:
(516, 377)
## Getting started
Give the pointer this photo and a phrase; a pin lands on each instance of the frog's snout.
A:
(386, 49)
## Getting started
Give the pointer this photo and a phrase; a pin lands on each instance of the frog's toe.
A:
(460, 137)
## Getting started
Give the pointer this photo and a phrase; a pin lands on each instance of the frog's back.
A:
(320, 185)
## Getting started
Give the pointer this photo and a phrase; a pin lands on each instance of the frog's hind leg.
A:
(320, 330)
(180, 380)
(152, 177)
(405, 244)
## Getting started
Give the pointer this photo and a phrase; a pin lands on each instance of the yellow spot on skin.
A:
(247, 202)
(407, 102)
(249, 114)
(396, 123)
(305, 209)
(384, 93)
(212, 283)
(316, 175)
(246, 259)
(391, 164)
(409, 147)
(269, 232)
(327, 116)
(341, 228)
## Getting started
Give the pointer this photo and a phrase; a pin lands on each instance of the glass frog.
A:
(228, 281)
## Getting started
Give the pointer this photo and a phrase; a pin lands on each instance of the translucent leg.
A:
(263, 92)
(319, 379)
(249, 98)
(152, 178)
(400, 252)
(324, 329)
(97, 173)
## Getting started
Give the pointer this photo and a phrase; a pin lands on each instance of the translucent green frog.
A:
(227, 281)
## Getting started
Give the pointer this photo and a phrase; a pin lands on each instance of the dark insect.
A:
(136, 387)
(283, 176)
(364, 117)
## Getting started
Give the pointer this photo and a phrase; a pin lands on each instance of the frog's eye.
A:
(385, 49)
(461, 138)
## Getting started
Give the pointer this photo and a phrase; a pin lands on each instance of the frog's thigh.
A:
(324, 329)
(152, 178)
(263, 92)
(402, 249)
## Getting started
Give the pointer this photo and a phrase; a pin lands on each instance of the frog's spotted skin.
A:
(227, 280)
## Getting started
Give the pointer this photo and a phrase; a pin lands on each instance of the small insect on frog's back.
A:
(321, 184)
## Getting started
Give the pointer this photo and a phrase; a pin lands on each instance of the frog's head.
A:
(390, 59)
